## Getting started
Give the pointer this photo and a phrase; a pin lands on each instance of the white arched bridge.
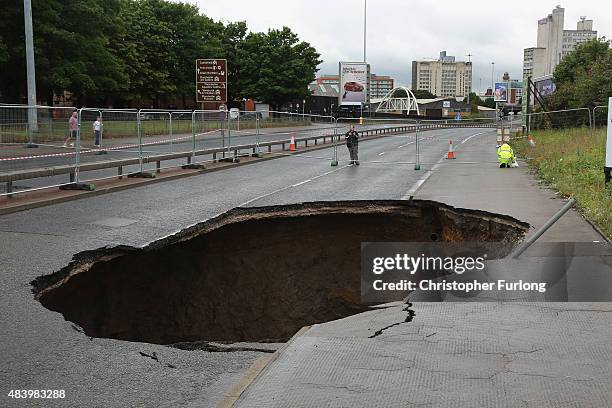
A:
(399, 99)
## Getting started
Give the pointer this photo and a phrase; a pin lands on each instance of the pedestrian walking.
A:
(352, 142)
(97, 128)
(73, 126)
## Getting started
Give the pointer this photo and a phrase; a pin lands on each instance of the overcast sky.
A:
(400, 31)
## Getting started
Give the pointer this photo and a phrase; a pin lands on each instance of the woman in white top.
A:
(97, 126)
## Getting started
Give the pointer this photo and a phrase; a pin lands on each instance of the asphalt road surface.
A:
(43, 351)
(118, 149)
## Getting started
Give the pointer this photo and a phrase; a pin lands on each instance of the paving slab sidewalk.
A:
(457, 354)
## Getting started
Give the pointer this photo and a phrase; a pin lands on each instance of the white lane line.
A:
(291, 186)
(477, 134)
(430, 172)
(422, 180)
(302, 182)
(404, 145)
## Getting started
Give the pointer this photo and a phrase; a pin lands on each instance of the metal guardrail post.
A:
(257, 126)
(590, 122)
(139, 136)
(191, 164)
(417, 164)
(229, 134)
(78, 148)
(193, 137)
(171, 133)
(334, 161)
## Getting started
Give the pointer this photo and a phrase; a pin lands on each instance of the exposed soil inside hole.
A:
(252, 274)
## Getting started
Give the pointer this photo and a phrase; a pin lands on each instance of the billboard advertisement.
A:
(501, 92)
(545, 86)
(354, 82)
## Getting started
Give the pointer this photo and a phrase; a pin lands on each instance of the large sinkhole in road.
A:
(251, 274)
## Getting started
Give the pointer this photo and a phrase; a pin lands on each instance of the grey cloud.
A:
(400, 31)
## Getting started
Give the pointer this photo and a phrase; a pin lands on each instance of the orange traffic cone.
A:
(451, 153)
(292, 144)
(531, 141)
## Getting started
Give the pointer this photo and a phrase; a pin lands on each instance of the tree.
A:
(489, 103)
(584, 77)
(275, 67)
(71, 41)
(474, 101)
(143, 52)
(423, 94)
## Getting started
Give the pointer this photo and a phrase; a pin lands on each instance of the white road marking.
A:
(303, 182)
(430, 172)
(404, 145)
(423, 179)
(291, 186)
(477, 134)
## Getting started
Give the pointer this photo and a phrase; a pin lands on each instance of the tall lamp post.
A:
(365, 17)
(492, 77)
(31, 76)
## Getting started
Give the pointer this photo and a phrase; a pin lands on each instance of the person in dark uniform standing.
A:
(352, 142)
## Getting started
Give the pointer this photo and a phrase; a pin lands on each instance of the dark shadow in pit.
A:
(251, 274)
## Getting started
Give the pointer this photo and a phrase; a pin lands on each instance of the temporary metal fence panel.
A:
(284, 125)
(163, 132)
(600, 116)
(27, 146)
(118, 141)
(559, 119)
(209, 131)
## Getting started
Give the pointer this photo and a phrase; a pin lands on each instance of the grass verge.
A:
(572, 161)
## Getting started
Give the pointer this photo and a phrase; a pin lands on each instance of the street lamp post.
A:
(365, 15)
(492, 77)
(31, 76)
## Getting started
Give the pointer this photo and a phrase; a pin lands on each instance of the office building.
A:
(554, 43)
(444, 77)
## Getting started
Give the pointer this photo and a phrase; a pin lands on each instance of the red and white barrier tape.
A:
(88, 150)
